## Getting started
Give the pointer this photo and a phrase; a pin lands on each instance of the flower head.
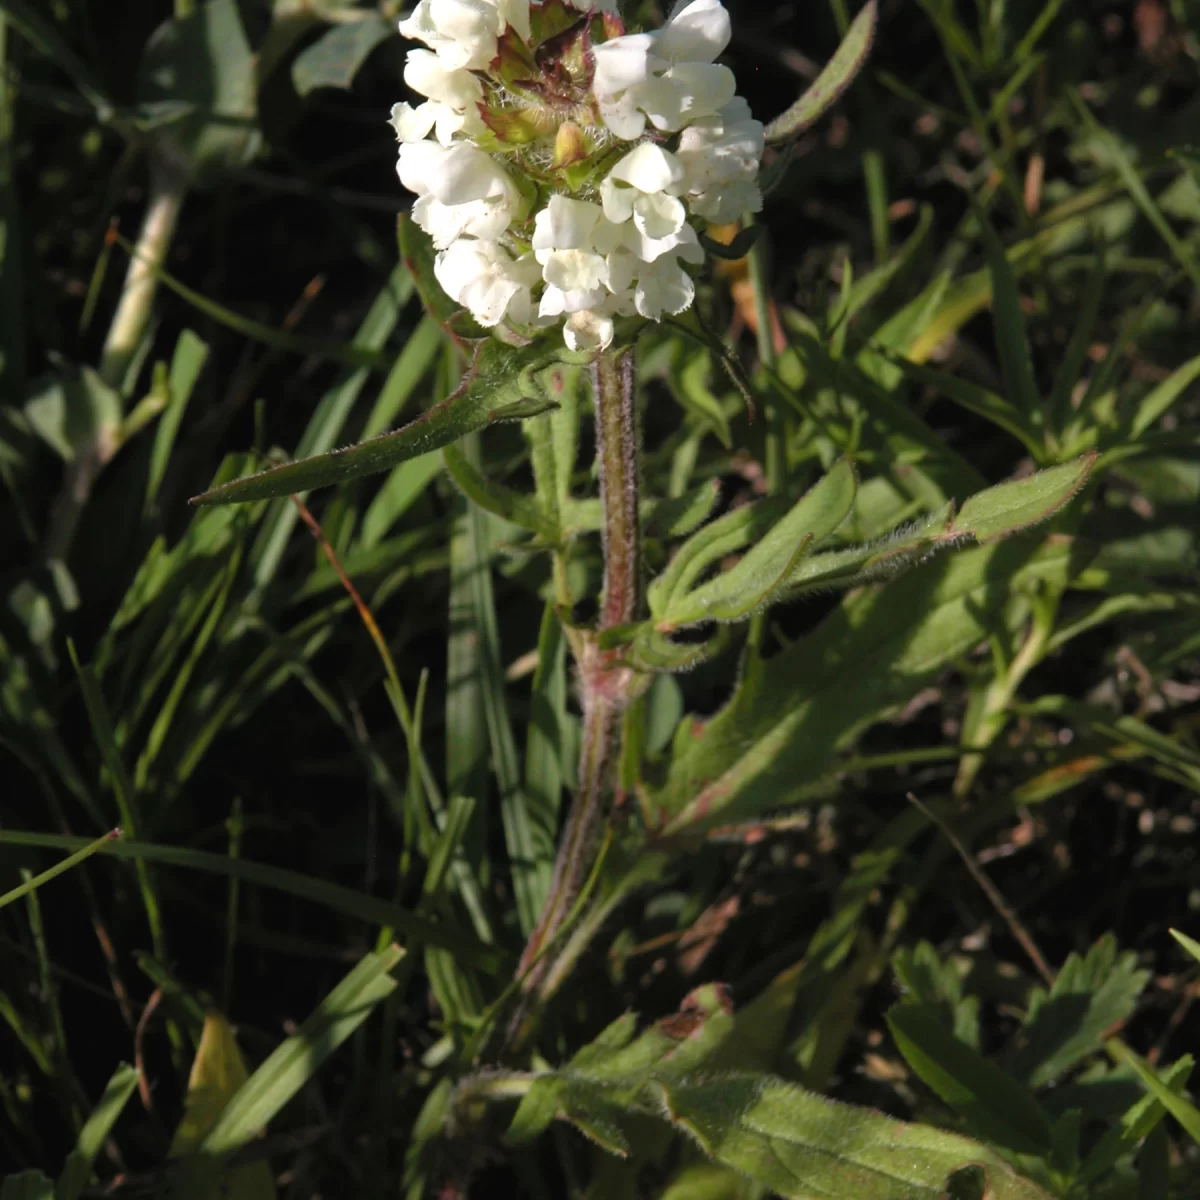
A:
(563, 166)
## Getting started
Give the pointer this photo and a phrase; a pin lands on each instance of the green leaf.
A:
(1003, 509)
(77, 1169)
(517, 507)
(500, 385)
(1160, 398)
(218, 1072)
(335, 57)
(995, 1106)
(27, 1185)
(805, 1147)
(1178, 1106)
(198, 72)
(358, 905)
(836, 77)
(726, 535)
(187, 362)
(1135, 1124)
(297, 1059)
(76, 414)
(707, 1181)
(1070, 1021)
(737, 593)
(1189, 944)
(1016, 365)
(875, 651)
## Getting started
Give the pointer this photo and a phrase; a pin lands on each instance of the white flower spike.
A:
(564, 167)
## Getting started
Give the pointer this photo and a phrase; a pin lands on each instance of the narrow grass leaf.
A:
(354, 904)
(1178, 1106)
(187, 362)
(77, 1169)
(1189, 944)
(505, 502)
(544, 749)
(122, 785)
(1160, 399)
(995, 1106)
(73, 860)
(1132, 179)
(297, 1059)
(1012, 343)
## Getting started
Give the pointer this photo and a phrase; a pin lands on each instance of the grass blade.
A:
(295, 1060)
(78, 1167)
(359, 905)
(36, 881)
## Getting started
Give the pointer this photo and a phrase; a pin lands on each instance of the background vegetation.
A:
(964, 802)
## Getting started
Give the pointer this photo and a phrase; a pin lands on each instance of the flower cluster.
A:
(560, 163)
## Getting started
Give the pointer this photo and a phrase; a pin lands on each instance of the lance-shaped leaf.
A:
(1019, 503)
(803, 1146)
(737, 593)
(500, 385)
(837, 76)
(728, 534)
(493, 497)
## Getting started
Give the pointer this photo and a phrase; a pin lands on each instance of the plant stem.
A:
(168, 187)
(607, 685)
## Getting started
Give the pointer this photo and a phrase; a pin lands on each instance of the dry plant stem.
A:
(168, 187)
(605, 684)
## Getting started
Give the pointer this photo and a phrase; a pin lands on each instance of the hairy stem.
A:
(606, 684)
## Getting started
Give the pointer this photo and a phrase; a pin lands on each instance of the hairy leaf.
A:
(837, 76)
(500, 385)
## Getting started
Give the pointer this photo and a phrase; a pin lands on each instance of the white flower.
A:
(567, 245)
(694, 32)
(484, 278)
(463, 33)
(684, 92)
(644, 186)
(622, 66)
(588, 331)
(460, 189)
(720, 155)
(656, 284)
(452, 106)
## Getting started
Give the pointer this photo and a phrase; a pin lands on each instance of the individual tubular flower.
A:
(464, 33)
(720, 156)
(574, 163)
(485, 279)
(461, 191)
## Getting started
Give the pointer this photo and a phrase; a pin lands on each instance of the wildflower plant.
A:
(566, 169)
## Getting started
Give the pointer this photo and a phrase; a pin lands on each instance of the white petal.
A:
(658, 216)
(623, 117)
(665, 288)
(516, 14)
(426, 73)
(617, 200)
(575, 271)
(649, 168)
(588, 331)
(623, 61)
(565, 224)
(695, 32)
(413, 124)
